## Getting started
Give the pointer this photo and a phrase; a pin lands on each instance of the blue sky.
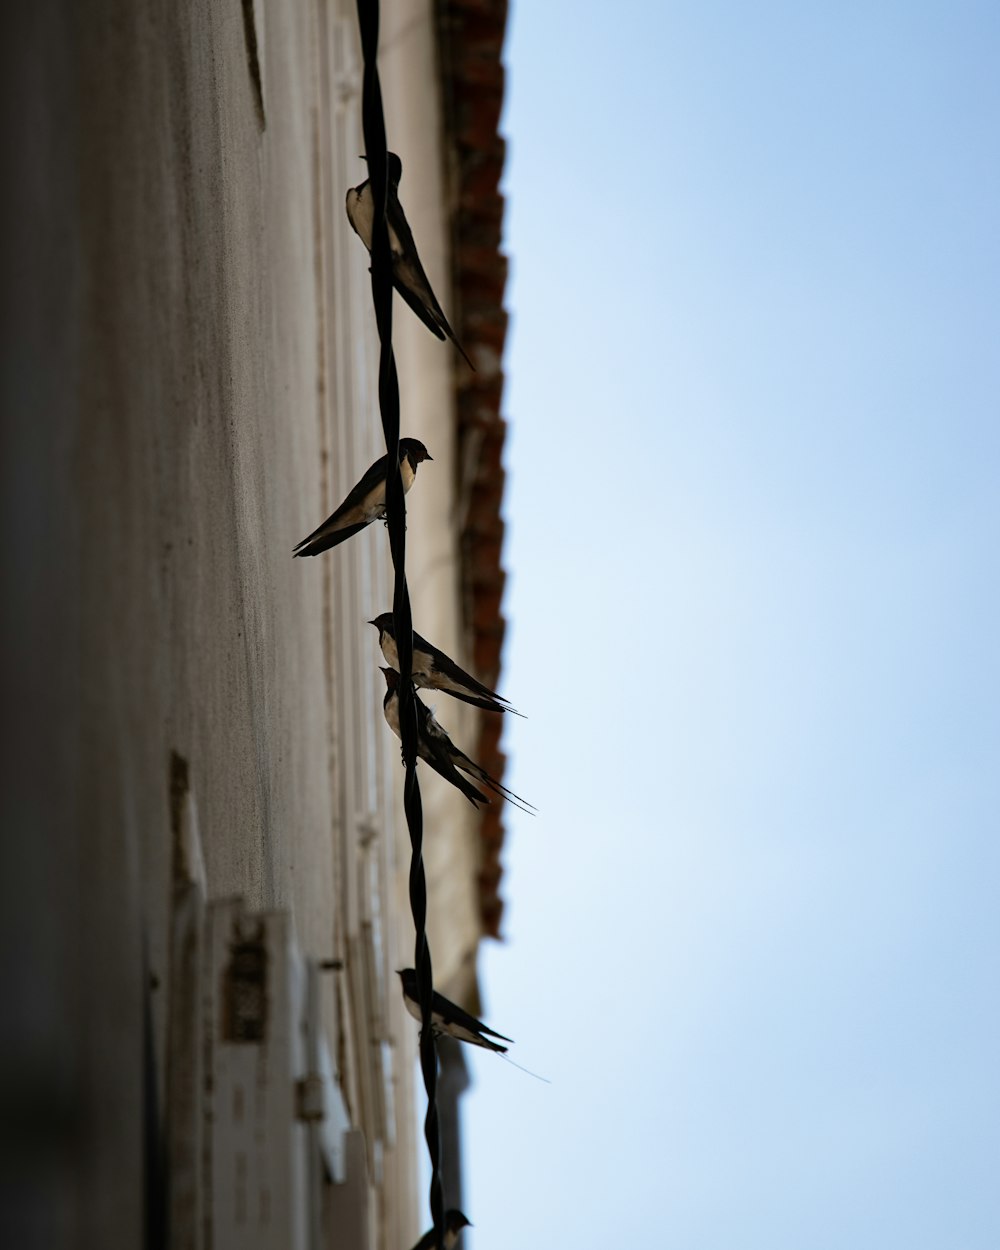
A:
(753, 523)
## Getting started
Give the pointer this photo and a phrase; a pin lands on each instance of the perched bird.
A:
(448, 1018)
(454, 1222)
(366, 502)
(436, 671)
(437, 749)
(429, 747)
(408, 275)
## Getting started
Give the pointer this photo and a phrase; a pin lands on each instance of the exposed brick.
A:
(486, 653)
(471, 34)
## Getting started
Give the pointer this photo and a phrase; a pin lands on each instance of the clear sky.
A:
(753, 532)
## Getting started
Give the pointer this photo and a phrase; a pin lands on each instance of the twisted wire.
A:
(376, 150)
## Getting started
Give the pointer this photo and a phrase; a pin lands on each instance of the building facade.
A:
(195, 758)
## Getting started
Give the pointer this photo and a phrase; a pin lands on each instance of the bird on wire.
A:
(435, 748)
(365, 502)
(448, 1019)
(408, 275)
(433, 670)
(454, 1222)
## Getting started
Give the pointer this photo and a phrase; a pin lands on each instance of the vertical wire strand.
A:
(376, 150)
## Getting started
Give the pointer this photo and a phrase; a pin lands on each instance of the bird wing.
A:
(462, 761)
(474, 1039)
(357, 494)
(417, 301)
(463, 1020)
(319, 542)
(487, 704)
(455, 1015)
(444, 768)
(454, 680)
(411, 281)
(356, 497)
(437, 749)
(435, 320)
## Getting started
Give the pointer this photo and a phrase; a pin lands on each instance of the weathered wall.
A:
(156, 517)
(168, 373)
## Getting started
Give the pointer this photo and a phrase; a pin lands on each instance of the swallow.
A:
(448, 1018)
(408, 275)
(434, 670)
(435, 748)
(454, 1222)
(366, 502)
(429, 747)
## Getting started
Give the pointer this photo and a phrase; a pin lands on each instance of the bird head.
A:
(383, 623)
(391, 678)
(414, 450)
(393, 169)
(455, 1221)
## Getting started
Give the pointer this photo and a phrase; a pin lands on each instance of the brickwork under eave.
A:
(470, 40)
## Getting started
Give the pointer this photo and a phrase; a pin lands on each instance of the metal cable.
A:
(376, 150)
